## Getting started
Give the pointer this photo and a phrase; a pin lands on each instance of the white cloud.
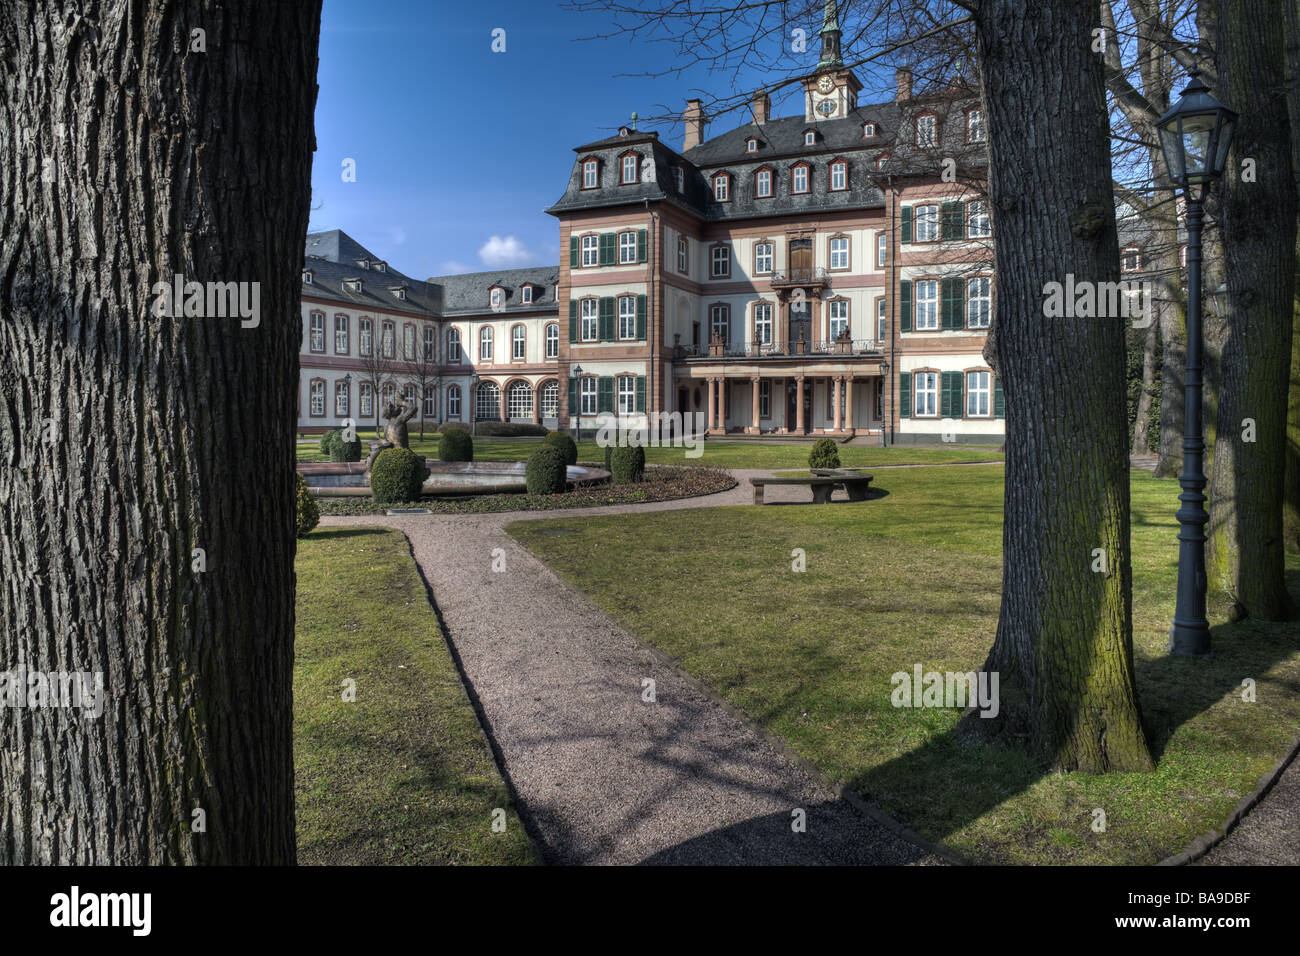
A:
(452, 267)
(505, 252)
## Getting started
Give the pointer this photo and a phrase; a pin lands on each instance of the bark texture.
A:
(1291, 494)
(130, 439)
(1245, 558)
(1064, 637)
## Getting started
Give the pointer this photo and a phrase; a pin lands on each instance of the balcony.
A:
(817, 349)
(788, 278)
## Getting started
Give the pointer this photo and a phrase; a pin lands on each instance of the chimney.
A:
(694, 120)
(762, 108)
(904, 77)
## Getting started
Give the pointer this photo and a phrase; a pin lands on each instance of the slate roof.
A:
(332, 258)
(467, 294)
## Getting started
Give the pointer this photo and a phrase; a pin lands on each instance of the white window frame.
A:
(882, 320)
(366, 337)
(979, 394)
(527, 295)
(720, 259)
(316, 340)
(516, 407)
(342, 344)
(496, 298)
(550, 398)
(342, 399)
(485, 344)
(626, 317)
(589, 311)
(763, 323)
(882, 249)
(587, 394)
(625, 392)
(626, 248)
(926, 215)
(720, 318)
(366, 400)
(590, 251)
(722, 188)
(408, 342)
(809, 138)
(837, 317)
(839, 176)
(800, 180)
(683, 255)
(628, 164)
(975, 132)
(518, 343)
(590, 174)
(453, 346)
(928, 122)
(453, 402)
(387, 344)
(927, 321)
(763, 184)
(552, 341)
(317, 393)
(978, 224)
(979, 302)
(764, 261)
(839, 252)
(430, 343)
(925, 398)
(430, 401)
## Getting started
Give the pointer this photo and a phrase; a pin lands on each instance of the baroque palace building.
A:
(822, 274)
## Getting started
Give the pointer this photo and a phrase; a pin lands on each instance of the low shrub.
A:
(344, 450)
(509, 429)
(544, 473)
(627, 464)
(455, 445)
(824, 454)
(308, 514)
(329, 443)
(396, 476)
(566, 445)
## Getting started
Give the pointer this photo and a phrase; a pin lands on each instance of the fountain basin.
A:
(342, 479)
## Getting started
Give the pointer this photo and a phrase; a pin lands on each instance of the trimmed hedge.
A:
(627, 464)
(396, 476)
(329, 443)
(545, 472)
(453, 427)
(509, 429)
(346, 450)
(566, 445)
(824, 454)
(455, 445)
(308, 514)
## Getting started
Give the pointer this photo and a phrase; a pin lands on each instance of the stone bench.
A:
(855, 482)
(821, 487)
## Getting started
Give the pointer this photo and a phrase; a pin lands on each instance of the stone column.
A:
(837, 413)
(713, 412)
(754, 426)
(848, 403)
(798, 406)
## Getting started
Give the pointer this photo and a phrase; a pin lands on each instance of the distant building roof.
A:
(468, 294)
(335, 259)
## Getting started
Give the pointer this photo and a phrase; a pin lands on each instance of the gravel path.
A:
(603, 776)
(1269, 834)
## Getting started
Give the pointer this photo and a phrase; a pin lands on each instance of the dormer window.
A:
(975, 126)
(679, 179)
(882, 160)
(399, 291)
(809, 138)
(364, 263)
(306, 277)
(839, 175)
(868, 130)
(927, 130)
(629, 165)
(528, 295)
(763, 183)
(1131, 259)
(380, 266)
(495, 297)
(352, 285)
(799, 178)
(590, 173)
(722, 187)
(751, 145)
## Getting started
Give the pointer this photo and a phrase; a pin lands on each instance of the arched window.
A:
(453, 401)
(551, 399)
(519, 400)
(453, 346)
(487, 402)
(485, 344)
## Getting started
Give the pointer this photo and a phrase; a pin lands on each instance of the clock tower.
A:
(832, 91)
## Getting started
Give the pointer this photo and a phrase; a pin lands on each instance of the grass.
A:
(401, 775)
(914, 577)
(718, 453)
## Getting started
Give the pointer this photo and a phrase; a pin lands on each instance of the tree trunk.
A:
(1142, 420)
(1064, 637)
(1291, 492)
(131, 439)
(1245, 558)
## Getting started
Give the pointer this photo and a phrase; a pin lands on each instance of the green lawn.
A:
(914, 577)
(717, 453)
(401, 775)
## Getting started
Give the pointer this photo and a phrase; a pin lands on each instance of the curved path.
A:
(602, 775)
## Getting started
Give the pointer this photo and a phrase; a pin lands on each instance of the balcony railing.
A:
(828, 348)
(799, 276)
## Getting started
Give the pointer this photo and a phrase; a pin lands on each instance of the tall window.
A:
(590, 250)
(453, 346)
(589, 174)
(927, 223)
(366, 337)
(589, 320)
(626, 394)
(517, 343)
(453, 401)
(720, 323)
(627, 317)
(840, 253)
(683, 255)
(552, 341)
(410, 393)
(487, 401)
(839, 317)
(341, 335)
(763, 257)
(764, 398)
(485, 344)
(721, 257)
(763, 183)
(430, 343)
(527, 295)
(408, 342)
(880, 319)
(386, 393)
(977, 394)
(519, 400)
(721, 187)
(763, 323)
(839, 175)
(587, 395)
(317, 332)
(367, 399)
(387, 344)
(318, 398)
(629, 168)
(882, 248)
(978, 302)
(342, 399)
(927, 305)
(975, 126)
(799, 179)
(551, 399)
(927, 393)
(926, 127)
(978, 226)
(626, 247)
(430, 401)
(496, 298)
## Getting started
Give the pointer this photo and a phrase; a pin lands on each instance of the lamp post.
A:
(473, 403)
(884, 383)
(1194, 136)
(576, 372)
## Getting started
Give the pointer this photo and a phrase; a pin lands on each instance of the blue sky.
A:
(458, 149)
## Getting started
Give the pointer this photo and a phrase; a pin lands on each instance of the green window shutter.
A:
(608, 241)
(605, 393)
(640, 245)
(950, 395)
(950, 304)
(958, 394)
(904, 394)
(959, 304)
(605, 332)
(573, 396)
(640, 393)
(905, 309)
(573, 252)
(905, 224)
(573, 320)
(952, 220)
(999, 401)
(640, 317)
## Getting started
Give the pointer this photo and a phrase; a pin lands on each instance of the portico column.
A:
(798, 406)
(837, 417)
(754, 416)
(848, 403)
(713, 414)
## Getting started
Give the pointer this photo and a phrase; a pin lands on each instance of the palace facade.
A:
(822, 274)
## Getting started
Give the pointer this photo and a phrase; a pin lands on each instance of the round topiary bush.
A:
(347, 450)
(627, 464)
(329, 443)
(567, 446)
(544, 473)
(455, 445)
(307, 512)
(824, 454)
(396, 476)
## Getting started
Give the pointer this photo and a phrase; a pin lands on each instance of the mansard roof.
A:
(468, 294)
(330, 280)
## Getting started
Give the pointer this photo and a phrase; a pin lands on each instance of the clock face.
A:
(826, 107)
(825, 84)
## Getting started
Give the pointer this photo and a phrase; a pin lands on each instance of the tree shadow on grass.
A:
(350, 532)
